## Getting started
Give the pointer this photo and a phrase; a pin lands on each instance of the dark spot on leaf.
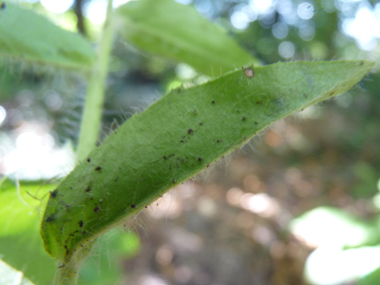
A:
(174, 181)
(61, 266)
(96, 209)
(200, 159)
(332, 93)
(3, 6)
(208, 165)
(259, 102)
(53, 193)
(244, 118)
(165, 157)
(133, 206)
(88, 189)
(190, 131)
(146, 207)
(200, 123)
(98, 168)
(213, 102)
(80, 223)
(256, 123)
(89, 159)
(49, 219)
(218, 141)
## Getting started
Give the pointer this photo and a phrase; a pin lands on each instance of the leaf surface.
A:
(28, 37)
(178, 32)
(20, 242)
(177, 137)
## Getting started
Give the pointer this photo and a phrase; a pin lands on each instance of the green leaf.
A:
(119, 245)
(28, 37)
(177, 137)
(178, 32)
(327, 225)
(9, 275)
(372, 278)
(20, 218)
(330, 264)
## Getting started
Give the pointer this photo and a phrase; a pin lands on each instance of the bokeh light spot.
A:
(305, 11)
(57, 6)
(3, 114)
(280, 30)
(286, 49)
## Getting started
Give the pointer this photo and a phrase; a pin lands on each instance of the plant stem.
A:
(67, 275)
(68, 271)
(92, 114)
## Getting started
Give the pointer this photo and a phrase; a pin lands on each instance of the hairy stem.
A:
(92, 114)
(67, 274)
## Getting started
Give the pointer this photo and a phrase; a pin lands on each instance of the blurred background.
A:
(299, 204)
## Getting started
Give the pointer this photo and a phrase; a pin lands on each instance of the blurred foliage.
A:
(21, 210)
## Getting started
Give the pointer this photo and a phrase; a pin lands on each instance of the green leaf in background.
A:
(330, 264)
(332, 226)
(103, 266)
(177, 137)
(9, 275)
(178, 32)
(28, 37)
(371, 279)
(20, 241)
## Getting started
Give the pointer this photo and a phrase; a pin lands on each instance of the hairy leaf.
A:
(176, 138)
(178, 32)
(28, 37)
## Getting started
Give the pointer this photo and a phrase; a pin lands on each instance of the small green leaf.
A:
(28, 37)
(177, 137)
(178, 32)
(20, 242)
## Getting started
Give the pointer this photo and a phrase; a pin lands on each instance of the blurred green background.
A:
(299, 204)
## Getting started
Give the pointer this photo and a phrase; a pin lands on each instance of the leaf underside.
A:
(177, 137)
(29, 37)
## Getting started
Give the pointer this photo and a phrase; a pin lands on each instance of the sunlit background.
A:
(299, 204)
